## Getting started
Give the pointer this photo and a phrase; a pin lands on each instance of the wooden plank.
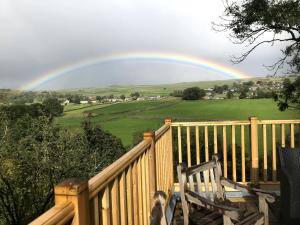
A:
(254, 175)
(274, 172)
(106, 207)
(215, 139)
(188, 146)
(135, 193)
(148, 198)
(265, 150)
(144, 193)
(123, 211)
(243, 153)
(283, 135)
(206, 144)
(115, 202)
(233, 145)
(206, 181)
(224, 152)
(179, 145)
(140, 190)
(129, 197)
(94, 208)
(198, 178)
(197, 145)
(213, 181)
(292, 135)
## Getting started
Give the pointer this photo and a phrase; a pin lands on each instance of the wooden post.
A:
(170, 142)
(152, 164)
(254, 175)
(77, 192)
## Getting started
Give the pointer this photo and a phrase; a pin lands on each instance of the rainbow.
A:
(145, 56)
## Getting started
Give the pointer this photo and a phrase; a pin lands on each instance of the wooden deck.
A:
(201, 216)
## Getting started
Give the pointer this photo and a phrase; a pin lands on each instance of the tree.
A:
(122, 97)
(177, 93)
(229, 95)
(252, 21)
(289, 95)
(193, 93)
(53, 107)
(35, 155)
(135, 95)
(243, 95)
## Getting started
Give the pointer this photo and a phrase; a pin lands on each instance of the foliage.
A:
(122, 97)
(252, 21)
(229, 95)
(243, 95)
(53, 107)
(220, 89)
(135, 95)
(289, 96)
(193, 93)
(35, 155)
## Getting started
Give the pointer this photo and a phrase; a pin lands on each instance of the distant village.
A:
(239, 89)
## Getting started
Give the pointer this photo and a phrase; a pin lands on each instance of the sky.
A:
(39, 37)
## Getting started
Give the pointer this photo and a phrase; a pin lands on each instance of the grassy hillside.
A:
(126, 119)
(162, 89)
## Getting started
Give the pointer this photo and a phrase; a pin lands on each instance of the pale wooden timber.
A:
(179, 145)
(265, 149)
(274, 170)
(233, 153)
(115, 202)
(243, 153)
(215, 140)
(58, 214)
(129, 195)
(98, 182)
(75, 191)
(197, 145)
(122, 189)
(211, 123)
(188, 145)
(206, 143)
(254, 150)
(282, 135)
(292, 135)
(224, 151)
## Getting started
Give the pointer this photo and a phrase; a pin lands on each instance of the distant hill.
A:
(161, 89)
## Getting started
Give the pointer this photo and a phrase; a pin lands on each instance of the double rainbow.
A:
(136, 56)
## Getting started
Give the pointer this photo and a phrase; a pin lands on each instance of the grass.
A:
(126, 119)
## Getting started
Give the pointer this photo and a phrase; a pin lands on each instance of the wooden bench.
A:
(204, 185)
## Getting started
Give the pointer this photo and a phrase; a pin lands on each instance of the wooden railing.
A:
(243, 145)
(123, 192)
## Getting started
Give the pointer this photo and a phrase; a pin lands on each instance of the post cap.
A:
(72, 186)
(168, 121)
(148, 135)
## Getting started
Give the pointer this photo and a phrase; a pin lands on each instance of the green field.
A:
(161, 89)
(126, 119)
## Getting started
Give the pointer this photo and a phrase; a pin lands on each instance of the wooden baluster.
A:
(224, 151)
(94, 209)
(136, 205)
(147, 177)
(206, 182)
(123, 211)
(197, 145)
(215, 140)
(129, 195)
(233, 153)
(179, 145)
(283, 135)
(206, 144)
(265, 149)
(115, 202)
(106, 206)
(144, 193)
(140, 190)
(292, 135)
(274, 172)
(254, 150)
(243, 153)
(188, 146)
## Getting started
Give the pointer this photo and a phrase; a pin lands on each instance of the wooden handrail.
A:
(211, 123)
(59, 214)
(99, 181)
